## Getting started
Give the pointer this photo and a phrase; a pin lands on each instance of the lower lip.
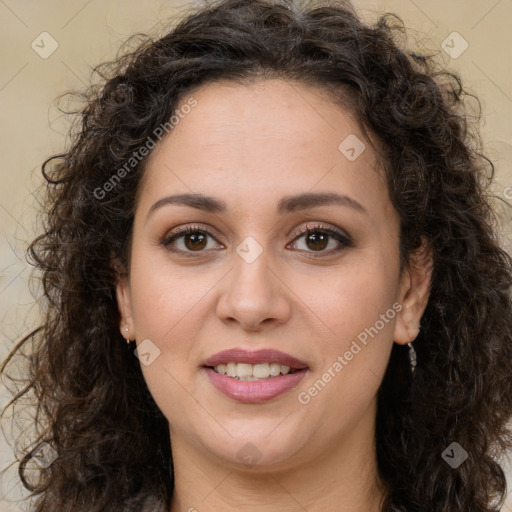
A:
(254, 391)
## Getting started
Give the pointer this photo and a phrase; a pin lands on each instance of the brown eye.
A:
(195, 241)
(189, 240)
(317, 238)
(317, 241)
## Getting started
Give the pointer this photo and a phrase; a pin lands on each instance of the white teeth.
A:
(275, 369)
(250, 372)
(262, 371)
(231, 369)
(243, 370)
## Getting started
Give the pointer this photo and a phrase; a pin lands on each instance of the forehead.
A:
(263, 138)
(289, 112)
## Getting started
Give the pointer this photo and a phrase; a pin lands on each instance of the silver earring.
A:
(127, 340)
(412, 357)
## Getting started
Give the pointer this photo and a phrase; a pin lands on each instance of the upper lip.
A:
(241, 355)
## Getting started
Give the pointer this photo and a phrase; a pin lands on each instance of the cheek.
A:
(165, 308)
(351, 300)
(356, 346)
(162, 296)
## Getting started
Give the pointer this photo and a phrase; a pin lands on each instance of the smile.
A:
(253, 376)
(253, 372)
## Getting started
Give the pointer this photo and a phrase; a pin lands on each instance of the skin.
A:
(251, 145)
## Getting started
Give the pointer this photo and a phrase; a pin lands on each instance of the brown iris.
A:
(196, 240)
(319, 240)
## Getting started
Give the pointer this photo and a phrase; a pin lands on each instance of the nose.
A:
(254, 295)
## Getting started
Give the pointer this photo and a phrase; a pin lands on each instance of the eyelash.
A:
(316, 228)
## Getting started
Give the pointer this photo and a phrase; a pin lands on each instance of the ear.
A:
(124, 303)
(414, 293)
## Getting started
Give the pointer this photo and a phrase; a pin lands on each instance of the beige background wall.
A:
(89, 31)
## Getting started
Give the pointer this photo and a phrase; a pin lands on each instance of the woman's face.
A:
(256, 166)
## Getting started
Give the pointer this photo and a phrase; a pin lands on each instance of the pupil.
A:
(196, 239)
(318, 238)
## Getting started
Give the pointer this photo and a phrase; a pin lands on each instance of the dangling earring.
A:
(412, 357)
(127, 340)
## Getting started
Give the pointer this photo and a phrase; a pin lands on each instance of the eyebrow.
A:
(286, 204)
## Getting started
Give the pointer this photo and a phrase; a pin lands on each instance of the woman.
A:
(285, 216)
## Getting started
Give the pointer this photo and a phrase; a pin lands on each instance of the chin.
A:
(257, 449)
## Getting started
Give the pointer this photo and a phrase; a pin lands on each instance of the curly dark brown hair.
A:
(93, 405)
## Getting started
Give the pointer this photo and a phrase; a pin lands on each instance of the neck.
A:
(342, 477)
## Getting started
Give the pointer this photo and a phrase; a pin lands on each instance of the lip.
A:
(241, 355)
(254, 391)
